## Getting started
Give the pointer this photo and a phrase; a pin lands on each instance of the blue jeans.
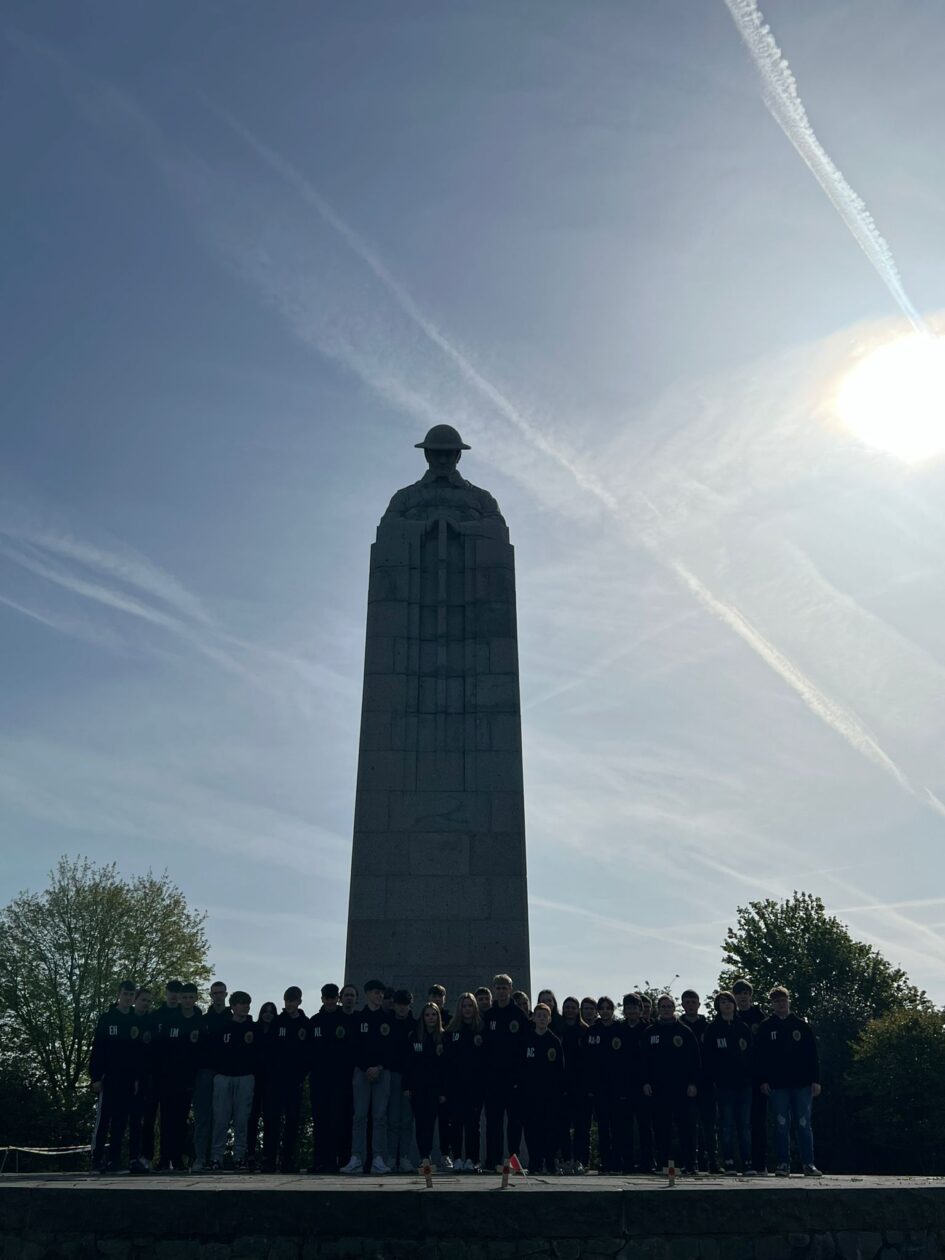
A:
(796, 1103)
(735, 1121)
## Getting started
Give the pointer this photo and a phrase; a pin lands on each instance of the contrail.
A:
(786, 107)
(841, 720)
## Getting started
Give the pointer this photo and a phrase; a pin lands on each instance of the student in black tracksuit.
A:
(728, 1063)
(789, 1069)
(177, 1036)
(465, 1083)
(540, 1077)
(505, 1024)
(144, 1105)
(672, 1070)
(750, 1013)
(425, 1078)
(707, 1145)
(574, 1142)
(636, 1111)
(330, 1084)
(265, 1091)
(291, 1066)
(608, 1085)
(113, 1069)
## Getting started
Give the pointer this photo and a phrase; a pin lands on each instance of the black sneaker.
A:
(216, 1166)
(811, 1170)
(241, 1166)
(138, 1168)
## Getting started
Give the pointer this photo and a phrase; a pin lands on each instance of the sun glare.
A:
(894, 399)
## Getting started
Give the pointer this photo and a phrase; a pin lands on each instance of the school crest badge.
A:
(796, 1034)
(677, 1042)
(477, 1040)
(134, 1032)
(616, 1044)
(303, 1033)
(552, 1055)
(340, 1031)
(513, 1026)
(195, 1035)
(385, 1030)
(742, 1044)
(248, 1037)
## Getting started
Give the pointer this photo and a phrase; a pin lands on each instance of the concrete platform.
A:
(229, 1217)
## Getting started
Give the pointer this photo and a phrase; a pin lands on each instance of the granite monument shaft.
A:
(438, 883)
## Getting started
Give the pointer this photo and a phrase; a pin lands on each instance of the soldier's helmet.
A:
(442, 437)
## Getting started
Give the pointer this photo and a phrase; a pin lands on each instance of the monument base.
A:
(60, 1217)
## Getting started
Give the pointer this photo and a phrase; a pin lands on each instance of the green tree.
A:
(795, 942)
(63, 952)
(837, 982)
(897, 1074)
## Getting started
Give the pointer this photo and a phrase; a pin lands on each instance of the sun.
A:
(894, 399)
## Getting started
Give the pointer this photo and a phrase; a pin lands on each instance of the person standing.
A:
(484, 1000)
(789, 1069)
(465, 1083)
(728, 1063)
(635, 1106)
(505, 1026)
(401, 1141)
(750, 1013)
(265, 1092)
(233, 1054)
(608, 1083)
(372, 1056)
(672, 1072)
(425, 1079)
(144, 1099)
(539, 1078)
(707, 1144)
(217, 1014)
(574, 1143)
(167, 1011)
(291, 1067)
(330, 1083)
(178, 1055)
(113, 1070)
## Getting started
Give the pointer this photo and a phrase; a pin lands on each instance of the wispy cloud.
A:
(786, 107)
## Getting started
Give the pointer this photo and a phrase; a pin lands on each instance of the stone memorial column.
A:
(438, 885)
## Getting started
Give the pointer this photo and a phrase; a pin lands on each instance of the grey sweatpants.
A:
(232, 1101)
(373, 1097)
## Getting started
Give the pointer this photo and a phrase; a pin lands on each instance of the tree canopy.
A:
(63, 952)
(795, 942)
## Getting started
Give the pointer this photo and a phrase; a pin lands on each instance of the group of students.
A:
(391, 1090)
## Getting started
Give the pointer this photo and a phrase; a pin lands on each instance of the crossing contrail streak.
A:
(786, 107)
(841, 720)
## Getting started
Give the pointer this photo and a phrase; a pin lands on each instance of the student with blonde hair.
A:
(465, 1082)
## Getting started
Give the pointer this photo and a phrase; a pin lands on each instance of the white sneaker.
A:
(446, 1164)
(378, 1166)
(354, 1165)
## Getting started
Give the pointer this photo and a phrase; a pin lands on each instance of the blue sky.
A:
(251, 252)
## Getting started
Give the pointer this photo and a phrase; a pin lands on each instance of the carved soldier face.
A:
(442, 463)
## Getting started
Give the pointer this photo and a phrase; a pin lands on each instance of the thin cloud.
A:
(780, 94)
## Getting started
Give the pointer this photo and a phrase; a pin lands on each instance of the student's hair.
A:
(388, 994)
(689, 993)
(403, 997)
(543, 1006)
(778, 991)
(502, 979)
(268, 1006)
(374, 986)
(173, 986)
(217, 984)
(633, 999)
(725, 993)
(588, 1001)
(240, 996)
(553, 1003)
(666, 997)
(580, 1018)
(422, 1034)
(438, 989)
(604, 997)
(144, 989)
(483, 991)
(127, 986)
(741, 985)
(520, 993)
(189, 987)
(457, 1021)
(349, 985)
(330, 991)
(292, 994)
